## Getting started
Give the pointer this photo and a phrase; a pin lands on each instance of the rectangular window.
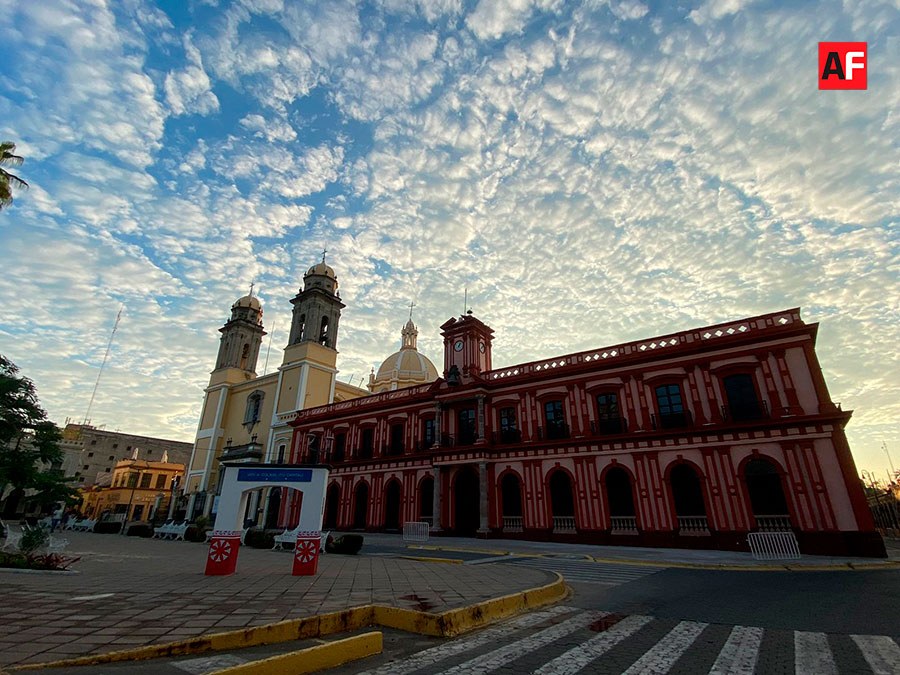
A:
(509, 427)
(608, 419)
(340, 447)
(467, 432)
(669, 402)
(145, 479)
(428, 435)
(94, 442)
(112, 457)
(280, 459)
(90, 454)
(106, 470)
(132, 480)
(161, 482)
(741, 395)
(396, 439)
(367, 443)
(115, 445)
(555, 420)
(84, 468)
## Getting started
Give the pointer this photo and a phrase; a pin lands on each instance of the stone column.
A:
(173, 500)
(264, 496)
(483, 495)
(190, 505)
(436, 501)
(480, 418)
(437, 434)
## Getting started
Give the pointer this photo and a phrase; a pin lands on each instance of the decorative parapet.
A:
(706, 334)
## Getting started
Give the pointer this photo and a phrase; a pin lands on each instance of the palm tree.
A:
(7, 179)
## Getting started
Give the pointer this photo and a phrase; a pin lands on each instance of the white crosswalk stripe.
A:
(881, 653)
(574, 660)
(529, 636)
(461, 645)
(812, 654)
(500, 657)
(584, 571)
(739, 653)
(663, 655)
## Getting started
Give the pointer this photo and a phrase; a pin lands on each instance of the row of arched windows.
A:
(764, 485)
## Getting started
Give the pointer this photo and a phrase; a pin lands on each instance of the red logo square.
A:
(843, 65)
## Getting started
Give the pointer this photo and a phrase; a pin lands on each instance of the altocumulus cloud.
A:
(593, 171)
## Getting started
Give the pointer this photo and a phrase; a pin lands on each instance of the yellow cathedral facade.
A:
(245, 417)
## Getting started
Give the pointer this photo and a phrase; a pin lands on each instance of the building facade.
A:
(691, 439)
(245, 417)
(139, 490)
(91, 454)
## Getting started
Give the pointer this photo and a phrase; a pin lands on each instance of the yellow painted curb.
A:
(781, 567)
(312, 659)
(447, 624)
(451, 561)
(459, 550)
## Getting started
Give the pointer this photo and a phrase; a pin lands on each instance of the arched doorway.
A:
(687, 493)
(332, 502)
(360, 506)
(767, 499)
(562, 502)
(426, 500)
(392, 497)
(466, 502)
(511, 499)
(273, 509)
(620, 497)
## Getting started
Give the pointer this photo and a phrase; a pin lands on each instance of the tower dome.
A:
(405, 368)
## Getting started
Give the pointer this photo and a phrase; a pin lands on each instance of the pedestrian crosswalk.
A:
(585, 571)
(569, 640)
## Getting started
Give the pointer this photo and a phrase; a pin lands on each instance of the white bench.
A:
(83, 525)
(57, 544)
(290, 537)
(172, 531)
(209, 535)
(12, 541)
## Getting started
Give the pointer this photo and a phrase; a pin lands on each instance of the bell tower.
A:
(242, 337)
(317, 308)
(467, 346)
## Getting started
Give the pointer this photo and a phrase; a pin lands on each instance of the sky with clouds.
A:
(594, 172)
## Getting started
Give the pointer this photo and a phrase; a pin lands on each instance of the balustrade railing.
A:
(673, 420)
(774, 523)
(693, 526)
(365, 452)
(512, 523)
(564, 524)
(553, 432)
(756, 410)
(609, 426)
(507, 436)
(624, 525)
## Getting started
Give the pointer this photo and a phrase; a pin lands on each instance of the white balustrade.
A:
(564, 524)
(624, 525)
(693, 526)
(774, 523)
(512, 523)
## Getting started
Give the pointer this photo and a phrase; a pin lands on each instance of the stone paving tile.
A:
(185, 603)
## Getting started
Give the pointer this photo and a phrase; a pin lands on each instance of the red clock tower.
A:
(467, 345)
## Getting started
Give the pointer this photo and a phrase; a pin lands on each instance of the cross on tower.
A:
(411, 305)
(252, 284)
(324, 251)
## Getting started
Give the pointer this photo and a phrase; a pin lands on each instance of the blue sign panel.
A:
(275, 475)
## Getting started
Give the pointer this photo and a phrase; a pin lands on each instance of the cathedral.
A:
(692, 439)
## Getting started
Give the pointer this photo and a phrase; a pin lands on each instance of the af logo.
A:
(842, 65)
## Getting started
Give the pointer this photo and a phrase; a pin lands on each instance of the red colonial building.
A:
(691, 439)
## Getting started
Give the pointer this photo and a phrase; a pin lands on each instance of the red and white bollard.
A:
(223, 552)
(306, 554)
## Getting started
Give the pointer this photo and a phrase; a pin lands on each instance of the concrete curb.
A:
(446, 624)
(418, 558)
(312, 659)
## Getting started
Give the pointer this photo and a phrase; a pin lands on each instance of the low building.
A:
(137, 490)
(90, 453)
(692, 439)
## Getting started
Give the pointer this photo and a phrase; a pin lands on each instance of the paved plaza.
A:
(129, 592)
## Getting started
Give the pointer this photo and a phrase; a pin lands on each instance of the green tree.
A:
(29, 442)
(7, 179)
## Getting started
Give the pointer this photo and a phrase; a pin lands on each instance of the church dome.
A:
(247, 301)
(321, 269)
(405, 368)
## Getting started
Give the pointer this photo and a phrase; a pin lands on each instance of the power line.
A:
(87, 414)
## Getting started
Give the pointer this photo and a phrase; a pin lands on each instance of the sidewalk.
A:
(130, 592)
(471, 549)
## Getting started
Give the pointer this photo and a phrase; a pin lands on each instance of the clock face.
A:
(458, 346)
(481, 347)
